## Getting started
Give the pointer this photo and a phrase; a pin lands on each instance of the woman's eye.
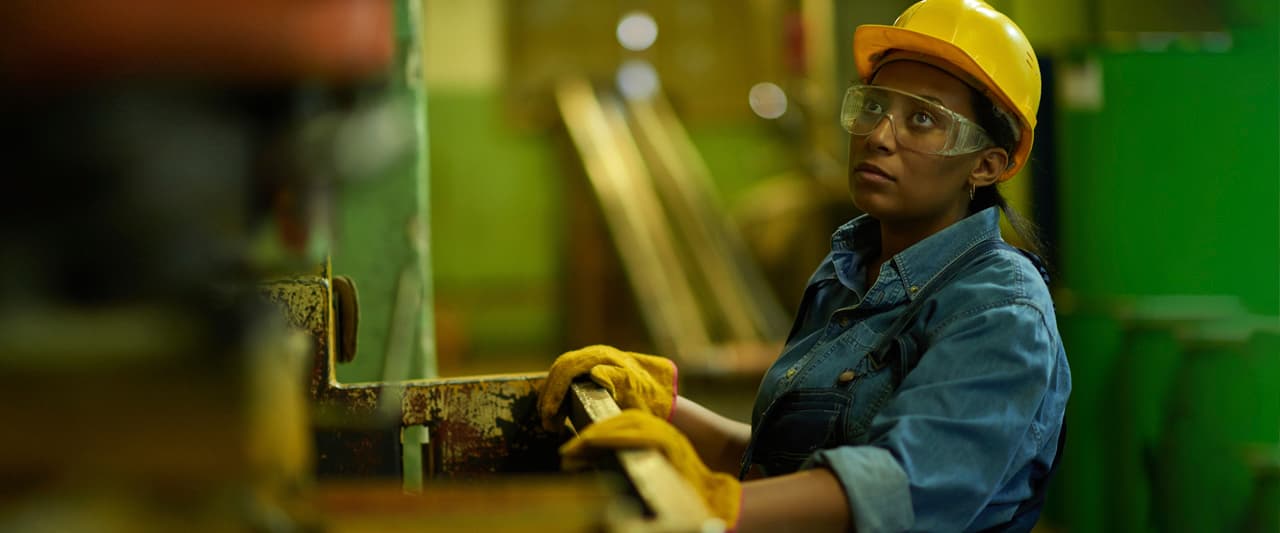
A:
(923, 120)
(873, 107)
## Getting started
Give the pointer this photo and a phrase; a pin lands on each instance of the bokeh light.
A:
(637, 79)
(767, 100)
(637, 31)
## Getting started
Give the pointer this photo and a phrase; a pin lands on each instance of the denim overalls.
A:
(847, 356)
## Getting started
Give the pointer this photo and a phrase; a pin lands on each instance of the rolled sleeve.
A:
(874, 484)
(957, 431)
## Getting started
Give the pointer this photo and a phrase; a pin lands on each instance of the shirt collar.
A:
(853, 244)
(852, 247)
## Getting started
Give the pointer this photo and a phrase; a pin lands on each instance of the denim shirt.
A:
(959, 442)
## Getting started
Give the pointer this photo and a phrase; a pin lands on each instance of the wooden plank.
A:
(676, 506)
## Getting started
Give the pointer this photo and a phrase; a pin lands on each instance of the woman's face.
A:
(898, 185)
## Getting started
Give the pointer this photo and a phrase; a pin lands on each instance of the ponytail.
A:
(1028, 232)
(1002, 134)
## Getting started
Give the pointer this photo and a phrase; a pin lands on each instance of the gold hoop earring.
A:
(972, 188)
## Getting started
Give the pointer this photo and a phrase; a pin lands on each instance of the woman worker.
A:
(923, 384)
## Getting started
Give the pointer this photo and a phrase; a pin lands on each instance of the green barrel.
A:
(1091, 335)
(1263, 515)
(1137, 386)
(1223, 402)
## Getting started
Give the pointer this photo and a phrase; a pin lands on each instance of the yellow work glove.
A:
(637, 429)
(636, 381)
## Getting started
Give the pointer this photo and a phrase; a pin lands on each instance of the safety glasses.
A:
(918, 124)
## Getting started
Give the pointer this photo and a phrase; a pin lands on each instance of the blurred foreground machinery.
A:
(484, 445)
(162, 163)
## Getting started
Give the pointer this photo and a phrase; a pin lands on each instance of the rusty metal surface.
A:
(485, 424)
(477, 425)
(304, 301)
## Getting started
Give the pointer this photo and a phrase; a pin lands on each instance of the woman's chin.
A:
(869, 202)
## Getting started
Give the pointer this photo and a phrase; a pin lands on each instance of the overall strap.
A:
(889, 338)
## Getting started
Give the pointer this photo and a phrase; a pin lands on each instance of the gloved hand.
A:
(637, 429)
(636, 381)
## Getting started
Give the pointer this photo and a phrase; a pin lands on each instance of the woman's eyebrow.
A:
(933, 99)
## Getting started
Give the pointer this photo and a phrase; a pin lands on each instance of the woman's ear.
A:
(989, 167)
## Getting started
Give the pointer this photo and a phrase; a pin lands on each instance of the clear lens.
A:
(918, 124)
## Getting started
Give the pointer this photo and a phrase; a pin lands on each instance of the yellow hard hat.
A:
(971, 36)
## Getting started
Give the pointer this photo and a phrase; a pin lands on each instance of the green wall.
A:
(498, 221)
(1171, 187)
(496, 217)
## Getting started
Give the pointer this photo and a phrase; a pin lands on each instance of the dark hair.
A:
(1001, 133)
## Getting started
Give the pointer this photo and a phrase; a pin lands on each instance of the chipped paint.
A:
(477, 425)
(305, 303)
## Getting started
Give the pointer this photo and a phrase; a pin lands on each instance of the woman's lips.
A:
(872, 173)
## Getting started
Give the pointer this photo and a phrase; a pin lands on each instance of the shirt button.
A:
(847, 376)
(791, 372)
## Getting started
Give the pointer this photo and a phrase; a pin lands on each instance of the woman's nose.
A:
(882, 136)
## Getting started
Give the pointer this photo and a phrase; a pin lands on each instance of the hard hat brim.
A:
(872, 41)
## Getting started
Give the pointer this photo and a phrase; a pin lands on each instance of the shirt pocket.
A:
(867, 396)
(802, 422)
(871, 388)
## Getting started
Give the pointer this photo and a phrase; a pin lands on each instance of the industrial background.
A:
(445, 194)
